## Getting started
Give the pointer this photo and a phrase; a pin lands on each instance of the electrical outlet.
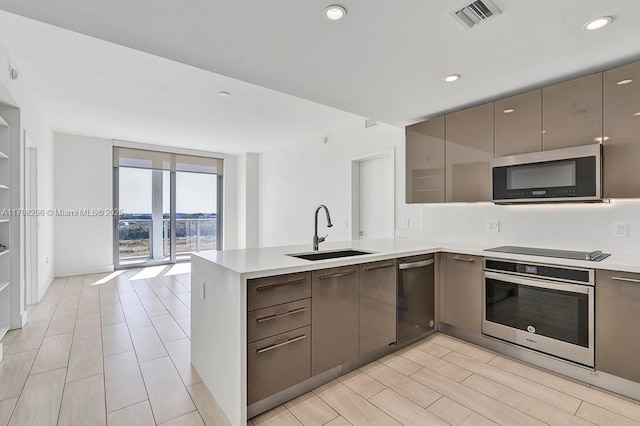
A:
(620, 229)
(493, 226)
(406, 222)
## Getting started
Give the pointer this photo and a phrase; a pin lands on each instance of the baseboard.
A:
(86, 270)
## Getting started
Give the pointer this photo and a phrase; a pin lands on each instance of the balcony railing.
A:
(192, 235)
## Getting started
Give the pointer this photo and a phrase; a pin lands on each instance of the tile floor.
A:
(114, 349)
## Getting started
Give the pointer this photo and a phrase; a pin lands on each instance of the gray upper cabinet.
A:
(572, 113)
(468, 151)
(425, 162)
(621, 90)
(518, 124)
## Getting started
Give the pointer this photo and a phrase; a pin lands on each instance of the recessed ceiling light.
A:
(451, 78)
(508, 110)
(623, 82)
(335, 12)
(225, 94)
(598, 23)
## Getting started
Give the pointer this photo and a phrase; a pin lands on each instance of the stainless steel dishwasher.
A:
(416, 300)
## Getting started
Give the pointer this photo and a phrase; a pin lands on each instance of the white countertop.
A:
(257, 262)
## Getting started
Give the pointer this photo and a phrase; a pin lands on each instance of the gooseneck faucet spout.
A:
(317, 240)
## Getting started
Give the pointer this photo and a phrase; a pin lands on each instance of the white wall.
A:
(582, 227)
(34, 123)
(247, 200)
(296, 178)
(83, 170)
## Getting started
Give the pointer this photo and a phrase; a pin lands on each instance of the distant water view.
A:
(194, 232)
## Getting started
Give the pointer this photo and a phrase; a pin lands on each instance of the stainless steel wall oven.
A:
(546, 308)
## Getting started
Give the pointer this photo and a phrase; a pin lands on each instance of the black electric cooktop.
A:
(595, 256)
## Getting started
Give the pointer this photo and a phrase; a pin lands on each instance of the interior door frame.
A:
(31, 223)
(389, 155)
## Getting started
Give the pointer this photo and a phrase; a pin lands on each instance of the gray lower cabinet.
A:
(461, 292)
(617, 323)
(378, 293)
(335, 317)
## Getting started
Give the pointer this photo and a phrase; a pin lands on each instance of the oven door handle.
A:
(552, 285)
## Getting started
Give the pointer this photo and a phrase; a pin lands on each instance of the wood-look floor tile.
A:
(53, 354)
(89, 306)
(191, 419)
(465, 348)
(474, 400)
(457, 414)
(438, 365)
(8, 337)
(87, 326)
(352, 406)
(577, 390)
(6, 409)
(338, 421)
(109, 298)
(154, 307)
(403, 410)
(168, 396)
(405, 386)
(279, 416)
(14, 370)
(180, 353)
(83, 403)
(527, 404)
(111, 314)
(62, 322)
(527, 387)
(136, 317)
(129, 300)
(433, 349)
(135, 415)
(29, 337)
(167, 328)
(207, 406)
(401, 364)
(124, 287)
(43, 312)
(147, 344)
(185, 298)
(86, 359)
(362, 384)
(144, 292)
(603, 417)
(310, 410)
(69, 302)
(185, 325)
(39, 402)
(123, 382)
(177, 309)
(115, 339)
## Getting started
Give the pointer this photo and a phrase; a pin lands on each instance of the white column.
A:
(156, 216)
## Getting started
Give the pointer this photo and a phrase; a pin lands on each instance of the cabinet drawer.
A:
(278, 362)
(269, 291)
(277, 319)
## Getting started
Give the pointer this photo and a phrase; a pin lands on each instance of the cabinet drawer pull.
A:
(339, 274)
(413, 265)
(275, 316)
(293, 339)
(631, 280)
(373, 268)
(272, 286)
(463, 259)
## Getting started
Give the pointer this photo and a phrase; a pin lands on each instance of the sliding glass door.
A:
(169, 206)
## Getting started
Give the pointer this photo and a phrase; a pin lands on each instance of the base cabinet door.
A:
(463, 292)
(377, 305)
(278, 362)
(335, 299)
(617, 323)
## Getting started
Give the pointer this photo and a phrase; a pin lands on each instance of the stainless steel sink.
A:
(322, 255)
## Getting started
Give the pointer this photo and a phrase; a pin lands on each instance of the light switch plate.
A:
(493, 226)
(620, 229)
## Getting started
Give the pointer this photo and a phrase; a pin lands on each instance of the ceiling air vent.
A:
(475, 13)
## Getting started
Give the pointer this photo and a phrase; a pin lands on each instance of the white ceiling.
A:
(385, 61)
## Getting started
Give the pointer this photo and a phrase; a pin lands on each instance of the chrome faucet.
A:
(317, 240)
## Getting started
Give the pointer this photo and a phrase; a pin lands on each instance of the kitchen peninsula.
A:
(220, 300)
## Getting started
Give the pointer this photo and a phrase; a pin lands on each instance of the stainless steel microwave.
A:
(561, 175)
